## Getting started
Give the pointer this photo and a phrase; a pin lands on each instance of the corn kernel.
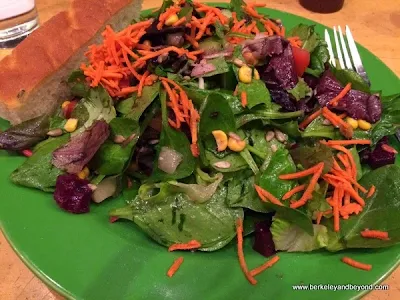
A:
(71, 125)
(171, 20)
(236, 145)
(221, 139)
(245, 73)
(364, 125)
(84, 173)
(256, 74)
(65, 104)
(352, 122)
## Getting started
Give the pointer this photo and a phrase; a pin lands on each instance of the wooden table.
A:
(375, 25)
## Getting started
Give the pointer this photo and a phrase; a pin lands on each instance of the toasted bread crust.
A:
(48, 49)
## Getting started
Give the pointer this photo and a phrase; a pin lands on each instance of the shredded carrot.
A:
(349, 156)
(375, 234)
(344, 127)
(243, 98)
(192, 41)
(206, 22)
(371, 191)
(242, 261)
(349, 142)
(300, 174)
(353, 194)
(310, 118)
(193, 244)
(293, 191)
(264, 266)
(336, 216)
(349, 178)
(175, 266)
(141, 83)
(389, 149)
(350, 208)
(180, 22)
(307, 195)
(356, 264)
(346, 198)
(267, 196)
(341, 95)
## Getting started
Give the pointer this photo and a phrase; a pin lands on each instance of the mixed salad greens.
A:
(212, 121)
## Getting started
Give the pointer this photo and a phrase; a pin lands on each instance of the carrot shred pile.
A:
(175, 267)
(184, 111)
(356, 264)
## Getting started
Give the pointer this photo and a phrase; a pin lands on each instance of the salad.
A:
(215, 124)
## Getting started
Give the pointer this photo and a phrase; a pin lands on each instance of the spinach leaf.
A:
(309, 156)
(112, 158)
(176, 219)
(317, 129)
(38, 171)
(177, 141)
(281, 163)
(291, 128)
(220, 30)
(307, 35)
(216, 114)
(235, 161)
(236, 6)
(266, 116)
(241, 193)
(57, 122)
(77, 84)
(345, 76)
(301, 90)
(134, 106)
(246, 155)
(257, 93)
(356, 158)
(198, 96)
(381, 211)
(319, 57)
(97, 106)
(318, 202)
(390, 121)
(220, 66)
(26, 134)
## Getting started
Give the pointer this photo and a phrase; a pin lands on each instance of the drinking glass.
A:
(18, 18)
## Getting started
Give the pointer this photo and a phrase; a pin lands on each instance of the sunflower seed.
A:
(119, 139)
(222, 164)
(55, 132)
(238, 62)
(269, 136)
(326, 122)
(274, 148)
(235, 136)
(280, 136)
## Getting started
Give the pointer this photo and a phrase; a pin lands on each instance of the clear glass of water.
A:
(18, 18)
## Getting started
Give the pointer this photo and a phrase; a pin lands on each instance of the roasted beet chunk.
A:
(263, 242)
(381, 155)
(73, 194)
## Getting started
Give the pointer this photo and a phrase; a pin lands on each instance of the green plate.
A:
(86, 257)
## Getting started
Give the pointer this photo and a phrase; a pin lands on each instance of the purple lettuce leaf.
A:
(356, 104)
(75, 155)
(378, 157)
(73, 194)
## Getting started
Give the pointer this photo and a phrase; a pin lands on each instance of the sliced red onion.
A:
(169, 160)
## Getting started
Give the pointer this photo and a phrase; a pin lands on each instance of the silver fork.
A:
(346, 61)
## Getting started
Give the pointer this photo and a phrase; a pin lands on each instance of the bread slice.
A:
(33, 77)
